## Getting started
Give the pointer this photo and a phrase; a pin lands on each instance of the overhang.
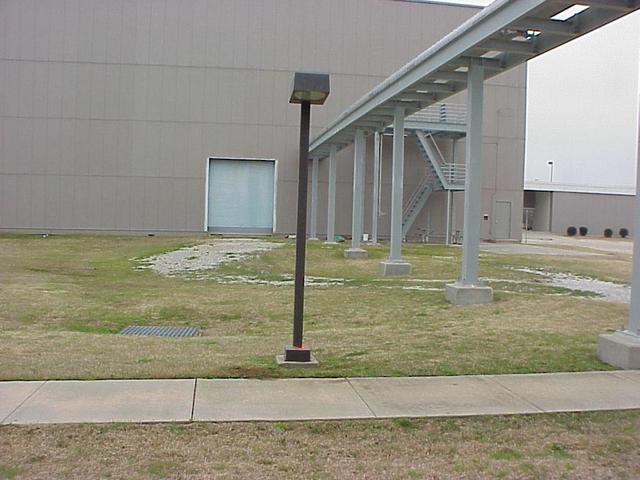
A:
(502, 36)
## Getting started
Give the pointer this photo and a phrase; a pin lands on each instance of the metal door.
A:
(241, 196)
(502, 220)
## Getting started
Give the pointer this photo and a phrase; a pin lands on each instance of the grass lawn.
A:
(559, 446)
(65, 297)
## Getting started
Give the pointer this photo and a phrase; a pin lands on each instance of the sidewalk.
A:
(314, 399)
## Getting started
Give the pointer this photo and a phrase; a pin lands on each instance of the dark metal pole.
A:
(301, 231)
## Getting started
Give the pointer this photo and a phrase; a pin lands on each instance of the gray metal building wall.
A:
(109, 109)
(592, 210)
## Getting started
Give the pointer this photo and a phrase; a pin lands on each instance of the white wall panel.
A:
(112, 89)
(110, 161)
(143, 31)
(99, 32)
(24, 149)
(98, 88)
(69, 97)
(113, 33)
(24, 199)
(71, 43)
(25, 89)
(84, 34)
(67, 147)
(123, 203)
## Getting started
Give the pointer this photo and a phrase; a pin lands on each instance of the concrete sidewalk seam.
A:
(23, 402)
(514, 394)
(360, 397)
(193, 400)
(616, 373)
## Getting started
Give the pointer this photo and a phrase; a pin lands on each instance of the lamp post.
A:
(551, 164)
(307, 89)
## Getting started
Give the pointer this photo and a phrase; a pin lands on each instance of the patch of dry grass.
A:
(64, 297)
(559, 446)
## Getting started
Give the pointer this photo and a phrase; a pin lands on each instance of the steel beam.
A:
(512, 46)
(568, 29)
(418, 97)
(432, 87)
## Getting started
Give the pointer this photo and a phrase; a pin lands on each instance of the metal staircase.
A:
(440, 174)
(416, 203)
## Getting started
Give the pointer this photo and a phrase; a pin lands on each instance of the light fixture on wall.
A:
(307, 89)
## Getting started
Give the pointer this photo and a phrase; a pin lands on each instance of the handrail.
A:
(452, 113)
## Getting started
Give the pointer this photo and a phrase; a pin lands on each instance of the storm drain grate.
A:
(175, 332)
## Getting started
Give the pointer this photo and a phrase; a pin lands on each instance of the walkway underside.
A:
(502, 36)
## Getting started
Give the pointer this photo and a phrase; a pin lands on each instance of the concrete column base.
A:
(313, 239)
(620, 349)
(394, 269)
(355, 253)
(280, 360)
(459, 294)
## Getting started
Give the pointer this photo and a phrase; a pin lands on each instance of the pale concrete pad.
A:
(355, 253)
(290, 399)
(438, 396)
(620, 350)
(12, 394)
(574, 392)
(459, 294)
(607, 245)
(526, 249)
(108, 401)
(394, 269)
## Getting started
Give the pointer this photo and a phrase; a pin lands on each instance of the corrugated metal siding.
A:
(109, 110)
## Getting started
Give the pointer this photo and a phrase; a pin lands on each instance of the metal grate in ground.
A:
(150, 331)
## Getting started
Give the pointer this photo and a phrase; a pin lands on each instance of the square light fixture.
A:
(312, 88)
(568, 13)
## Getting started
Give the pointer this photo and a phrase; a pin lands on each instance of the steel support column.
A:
(357, 218)
(331, 194)
(447, 240)
(313, 228)
(395, 250)
(634, 310)
(622, 348)
(395, 265)
(473, 177)
(375, 201)
(468, 290)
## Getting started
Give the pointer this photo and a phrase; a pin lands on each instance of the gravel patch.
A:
(607, 291)
(203, 257)
(198, 261)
